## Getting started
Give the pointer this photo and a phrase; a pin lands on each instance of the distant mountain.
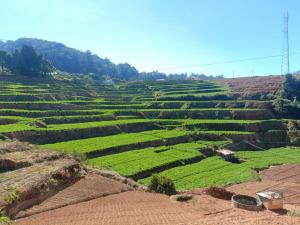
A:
(72, 60)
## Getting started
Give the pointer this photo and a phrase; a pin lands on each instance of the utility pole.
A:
(285, 64)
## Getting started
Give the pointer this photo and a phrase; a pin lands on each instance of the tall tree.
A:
(28, 63)
(3, 60)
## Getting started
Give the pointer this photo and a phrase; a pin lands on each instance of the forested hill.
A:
(72, 60)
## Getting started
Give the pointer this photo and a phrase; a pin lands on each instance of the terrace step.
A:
(208, 104)
(19, 159)
(183, 138)
(90, 187)
(129, 147)
(30, 185)
(239, 114)
(40, 106)
(179, 162)
(236, 125)
(259, 141)
(45, 113)
(76, 119)
(52, 136)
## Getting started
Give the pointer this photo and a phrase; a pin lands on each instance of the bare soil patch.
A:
(137, 207)
(284, 178)
(287, 173)
(244, 217)
(134, 207)
(248, 85)
(90, 187)
(125, 208)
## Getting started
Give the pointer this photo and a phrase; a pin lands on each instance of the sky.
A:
(165, 35)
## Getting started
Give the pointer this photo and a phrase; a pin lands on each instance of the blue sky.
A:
(163, 35)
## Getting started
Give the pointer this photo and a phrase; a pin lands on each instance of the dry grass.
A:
(14, 146)
(252, 85)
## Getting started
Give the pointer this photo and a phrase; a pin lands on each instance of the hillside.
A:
(72, 60)
(137, 129)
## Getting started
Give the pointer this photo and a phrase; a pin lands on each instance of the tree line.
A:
(76, 62)
(73, 61)
(24, 62)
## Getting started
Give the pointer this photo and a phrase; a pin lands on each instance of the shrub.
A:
(78, 156)
(12, 197)
(4, 220)
(256, 176)
(293, 125)
(183, 197)
(162, 184)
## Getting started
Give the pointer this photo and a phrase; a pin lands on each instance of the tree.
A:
(28, 63)
(4, 60)
(180, 76)
(162, 184)
(291, 87)
(279, 105)
(155, 75)
(71, 60)
(125, 71)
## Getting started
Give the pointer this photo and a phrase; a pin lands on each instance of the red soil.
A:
(125, 208)
(266, 84)
(147, 208)
(91, 187)
(285, 178)
(134, 207)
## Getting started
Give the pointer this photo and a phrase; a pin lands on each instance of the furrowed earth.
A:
(84, 154)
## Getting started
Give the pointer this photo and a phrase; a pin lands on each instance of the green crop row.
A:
(46, 113)
(150, 159)
(102, 143)
(24, 124)
(193, 91)
(196, 97)
(76, 118)
(133, 162)
(216, 126)
(216, 171)
(99, 124)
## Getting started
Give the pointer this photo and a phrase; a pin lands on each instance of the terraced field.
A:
(138, 129)
(215, 171)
